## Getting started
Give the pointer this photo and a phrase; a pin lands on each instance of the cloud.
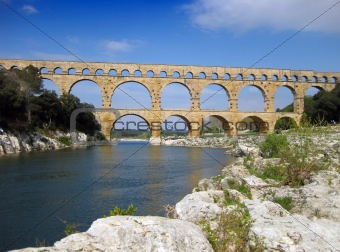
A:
(244, 15)
(113, 46)
(29, 9)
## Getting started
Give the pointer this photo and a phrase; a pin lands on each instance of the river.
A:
(39, 190)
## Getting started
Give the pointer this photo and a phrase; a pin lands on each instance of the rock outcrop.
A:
(133, 233)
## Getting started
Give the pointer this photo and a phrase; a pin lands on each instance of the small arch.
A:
(295, 78)
(14, 67)
(304, 78)
(176, 74)
(251, 77)
(125, 72)
(324, 79)
(214, 76)
(43, 70)
(162, 74)
(284, 78)
(86, 71)
(202, 75)
(99, 72)
(71, 71)
(150, 73)
(239, 77)
(226, 76)
(113, 72)
(137, 73)
(284, 99)
(334, 80)
(274, 77)
(57, 70)
(314, 79)
(189, 75)
(264, 77)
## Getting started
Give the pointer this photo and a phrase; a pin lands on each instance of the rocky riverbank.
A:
(31, 141)
(256, 204)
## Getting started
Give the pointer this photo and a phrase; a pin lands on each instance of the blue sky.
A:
(234, 33)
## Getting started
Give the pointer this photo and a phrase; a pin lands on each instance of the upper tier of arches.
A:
(174, 71)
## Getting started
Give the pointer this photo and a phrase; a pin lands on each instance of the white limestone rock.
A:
(134, 233)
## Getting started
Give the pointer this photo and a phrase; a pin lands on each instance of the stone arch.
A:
(264, 77)
(132, 94)
(334, 80)
(176, 125)
(43, 70)
(324, 79)
(312, 90)
(133, 124)
(162, 74)
(112, 72)
(239, 77)
(89, 91)
(208, 99)
(251, 77)
(2, 67)
(57, 70)
(284, 78)
(314, 79)
(295, 78)
(225, 125)
(189, 75)
(86, 71)
(285, 122)
(176, 74)
(174, 97)
(214, 76)
(275, 77)
(49, 84)
(202, 75)
(125, 72)
(99, 71)
(226, 76)
(14, 67)
(72, 70)
(280, 97)
(137, 73)
(150, 74)
(304, 78)
(253, 123)
(252, 88)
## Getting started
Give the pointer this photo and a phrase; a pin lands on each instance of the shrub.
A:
(130, 210)
(285, 202)
(243, 188)
(273, 144)
(65, 140)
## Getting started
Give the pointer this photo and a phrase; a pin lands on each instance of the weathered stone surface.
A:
(282, 231)
(133, 233)
(199, 206)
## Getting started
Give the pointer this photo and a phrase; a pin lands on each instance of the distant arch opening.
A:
(215, 126)
(130, 126)
(284, 78)
(264, 77)
(214, 76)
(131, 95)
(295, 78)
(87, 91)
(304, 79)
(137, 73)
(176, 74)
(285, 123)
(251, 98)
(227, 76)
(162, 74)
(99, 72)
(189, 75)
(251, 125)
(150, 74)
(239, 77)
(284, 99)
(113, 72)
(2, 68)
(274, 77)
(201, 75)
(125, 72)
(333, 79)
(314, 79)
(174, 126)
(43, 70)
(251, 77)
(86, 71)
(176, 96)
(72, 71)
(214, 97)
(58, 70)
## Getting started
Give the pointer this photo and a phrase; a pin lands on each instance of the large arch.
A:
(130, 126)
(217, 125)
(249, 99)
(51, 85)
(176, 95)
(214, 96)
(284, 123)
(175, 125)
(87, 91)
(284, 99)
(131, 94)
(252, 124)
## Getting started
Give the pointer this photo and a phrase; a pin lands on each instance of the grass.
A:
(285, 202)
(242, 188)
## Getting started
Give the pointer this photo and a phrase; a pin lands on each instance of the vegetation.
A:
(24, 102)
(273, 145)
(322, 105)
(130, 210)
(285, 202)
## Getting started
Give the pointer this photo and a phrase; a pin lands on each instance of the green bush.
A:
(65, 140)
(285, 202)
(273, 145)
(130, 210)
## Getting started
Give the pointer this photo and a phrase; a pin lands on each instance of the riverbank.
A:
(251, 206)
